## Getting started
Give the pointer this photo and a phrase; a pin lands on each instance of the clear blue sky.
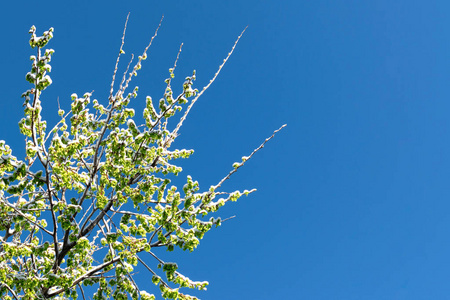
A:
(353, 196)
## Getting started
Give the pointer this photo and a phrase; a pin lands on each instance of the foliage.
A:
(94, 192)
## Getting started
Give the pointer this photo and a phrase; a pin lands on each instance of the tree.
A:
(94, 192)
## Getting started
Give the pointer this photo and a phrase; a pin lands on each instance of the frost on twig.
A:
(237, 165)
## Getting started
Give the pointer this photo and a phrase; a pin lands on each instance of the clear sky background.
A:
(353, 196)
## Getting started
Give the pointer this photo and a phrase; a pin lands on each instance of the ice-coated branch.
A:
(10, 290)
(180, 123)
(151, 271)
(94, 270)
(236, 166)
(27, 218)
(118, 58)
(122, 89)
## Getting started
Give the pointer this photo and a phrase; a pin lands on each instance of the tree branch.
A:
(28, 219)
(118, 58)
(174, 133)
(248, 157)
(84, 276)
(55, 224)
(10, 290)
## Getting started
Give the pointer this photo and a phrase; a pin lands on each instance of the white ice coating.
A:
(130, 123)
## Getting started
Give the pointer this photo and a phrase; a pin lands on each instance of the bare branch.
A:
(229, 218)
(136, 67)
(82, 291)
(118, 58)
(126, 212)
(157, 258)
(151, 271)
(168, 86)
(174, 133)
(248, 157)
(176, 60)
(154, 233)
(124, 77)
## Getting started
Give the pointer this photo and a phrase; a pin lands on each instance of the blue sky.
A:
(353, 196)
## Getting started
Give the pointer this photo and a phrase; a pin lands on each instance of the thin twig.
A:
(127, 212)
(124, 77)
(229, 218)
(248, 157)
(174, 133)
(176, 60)
(86, 212)
(122, 90)
(154, 233)
(118, 58)
(28, 219)
(82, 291)
(10, 290)
(169, 87)
(153, 272)
(157, 258)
